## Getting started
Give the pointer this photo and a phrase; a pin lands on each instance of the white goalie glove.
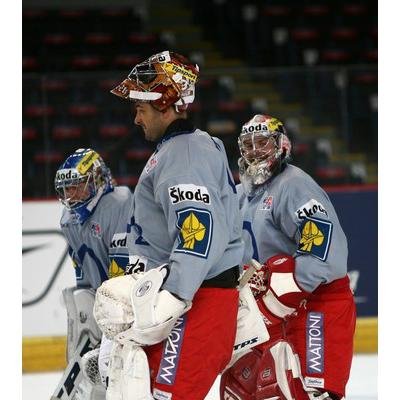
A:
(133, 308)
(133, 311)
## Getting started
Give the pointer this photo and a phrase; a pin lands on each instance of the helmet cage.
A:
(257, 147)
(83, 184)
(263, 146)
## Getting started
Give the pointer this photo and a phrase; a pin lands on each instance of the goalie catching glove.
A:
(134, 308)
(276, 290)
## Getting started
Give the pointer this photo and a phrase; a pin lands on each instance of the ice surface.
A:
(362, 384)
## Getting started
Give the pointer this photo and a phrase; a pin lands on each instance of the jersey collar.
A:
(178, 127)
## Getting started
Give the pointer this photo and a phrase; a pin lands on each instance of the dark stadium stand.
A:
(311, 64)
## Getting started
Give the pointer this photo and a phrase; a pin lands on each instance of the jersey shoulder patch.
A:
(315, 237)
(195, 231)
(310, 208)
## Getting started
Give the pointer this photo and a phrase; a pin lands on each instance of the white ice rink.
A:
(362, 384)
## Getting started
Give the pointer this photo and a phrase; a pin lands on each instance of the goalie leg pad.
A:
(250, 330)
(79, 304)
(129, 373)
(240, 381)
(91, 387)
(271, 373)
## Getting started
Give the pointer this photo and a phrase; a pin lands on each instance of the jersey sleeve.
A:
(197, 226)
(81, 280)
(306, 215)
(116, 234)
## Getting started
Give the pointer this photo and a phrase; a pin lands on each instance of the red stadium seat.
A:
(366, 78)
(29, 133)
(316, 10)
(127, 180)
(344, 34)
(109, 83)
(48, 157)
(115, 12)
(113, 130)
(142, 38)
(30, 63)
(82, 110)
(98, 38)
(276, 10)
(126, 60)
(87, 62)
(232, 106)
(332, 174)
(39, 111)
(57, 39)
(72, 13)
(34, 13)
(371, 55)
(138, 154)
(54, 85)
(355, 9)
(61, 132)
(305, 34)
(335, 56)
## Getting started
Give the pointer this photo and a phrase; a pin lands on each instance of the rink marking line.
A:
(48, 353)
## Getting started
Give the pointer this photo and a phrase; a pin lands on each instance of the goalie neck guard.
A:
(81, 181)
(164, 79)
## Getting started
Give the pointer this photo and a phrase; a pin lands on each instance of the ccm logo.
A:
(188, 192)
(280, 261)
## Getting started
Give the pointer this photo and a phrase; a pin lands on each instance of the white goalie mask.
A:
(264, 147)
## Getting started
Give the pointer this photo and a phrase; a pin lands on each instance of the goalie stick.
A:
(253, 267)
(73, 374)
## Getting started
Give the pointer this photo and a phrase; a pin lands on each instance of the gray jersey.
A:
(98, 247)
(187, 211)
(292, 214)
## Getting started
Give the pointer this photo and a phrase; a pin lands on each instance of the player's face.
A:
(77, 193)
(151, 121)
(257, 147)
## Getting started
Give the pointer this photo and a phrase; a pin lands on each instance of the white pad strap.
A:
(129, 374)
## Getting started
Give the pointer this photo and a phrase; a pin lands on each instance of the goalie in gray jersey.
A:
(187, 230)
(302, 291)
(94, 221)
(95, 218)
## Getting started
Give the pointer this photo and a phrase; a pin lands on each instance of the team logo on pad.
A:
(195, 231)
(315, 237)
